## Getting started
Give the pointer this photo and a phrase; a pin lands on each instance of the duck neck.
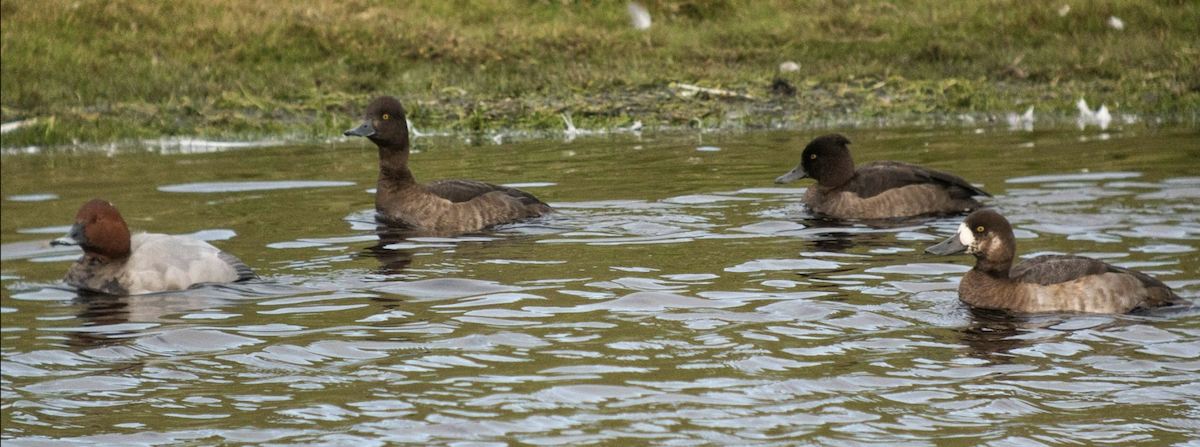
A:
(990, 276)
(993, 268)
(393, 168)
(840, 171)
(986, 290)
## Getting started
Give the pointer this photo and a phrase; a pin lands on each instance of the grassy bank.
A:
(92, 70)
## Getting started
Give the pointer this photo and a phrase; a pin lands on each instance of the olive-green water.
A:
(678, 297)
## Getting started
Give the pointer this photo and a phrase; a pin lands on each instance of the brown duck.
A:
(440, 206)
(1048, 283)
(878, 190)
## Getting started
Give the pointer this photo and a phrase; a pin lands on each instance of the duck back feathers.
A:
(460, 190)
(161, 262)
(875, 178)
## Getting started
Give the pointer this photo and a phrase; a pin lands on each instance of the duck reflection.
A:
(95, 311)
(395, 248)
(392, 259)
(107, 320)
(839, 235)
(993, 334)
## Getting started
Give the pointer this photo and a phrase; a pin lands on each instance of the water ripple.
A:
(709, 310)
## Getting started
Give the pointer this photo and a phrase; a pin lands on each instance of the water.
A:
(678, 297)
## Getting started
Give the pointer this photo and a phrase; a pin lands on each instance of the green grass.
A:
(93, 70)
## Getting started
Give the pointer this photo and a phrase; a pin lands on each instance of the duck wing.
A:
(877, 177)
(1048, 270)
(459, 190)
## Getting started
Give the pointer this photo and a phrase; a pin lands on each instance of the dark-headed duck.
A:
(440, 206)
(116, 263)
(1048, 283)
(878, 190)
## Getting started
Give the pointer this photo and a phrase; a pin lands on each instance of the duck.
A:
(443, 206)
(1047, 283)
(117, 263)
(877, 190)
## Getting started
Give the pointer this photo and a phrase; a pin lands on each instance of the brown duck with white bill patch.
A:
(1048, 283)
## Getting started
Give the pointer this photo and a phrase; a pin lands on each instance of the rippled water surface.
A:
(678, 297)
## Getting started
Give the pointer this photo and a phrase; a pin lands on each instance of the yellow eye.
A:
(385, 117)
(979, 229)
(813, 156)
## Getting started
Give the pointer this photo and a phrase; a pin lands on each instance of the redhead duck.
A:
(441, 206)
(116, 263)
(1048, 283)
(878, 190)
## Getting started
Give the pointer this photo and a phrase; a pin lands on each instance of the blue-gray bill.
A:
(792, 175)
(949, 246)
(75, 236)
(363, 130)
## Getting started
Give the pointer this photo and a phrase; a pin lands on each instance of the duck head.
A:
(826, 159)
(99, 230)
(385, 124)
(985, 234)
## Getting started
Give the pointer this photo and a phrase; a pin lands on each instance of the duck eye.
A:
(979, 229)
(386, 116)
(812, 157)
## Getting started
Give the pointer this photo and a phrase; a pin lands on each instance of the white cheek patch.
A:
(965, 236)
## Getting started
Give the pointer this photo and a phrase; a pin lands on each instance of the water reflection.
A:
(717, 312)
(392, 258)
(992, 335)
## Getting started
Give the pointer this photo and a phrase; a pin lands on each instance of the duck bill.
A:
(74, 237)
(948, 247)
(792, 175)
(363, 130)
